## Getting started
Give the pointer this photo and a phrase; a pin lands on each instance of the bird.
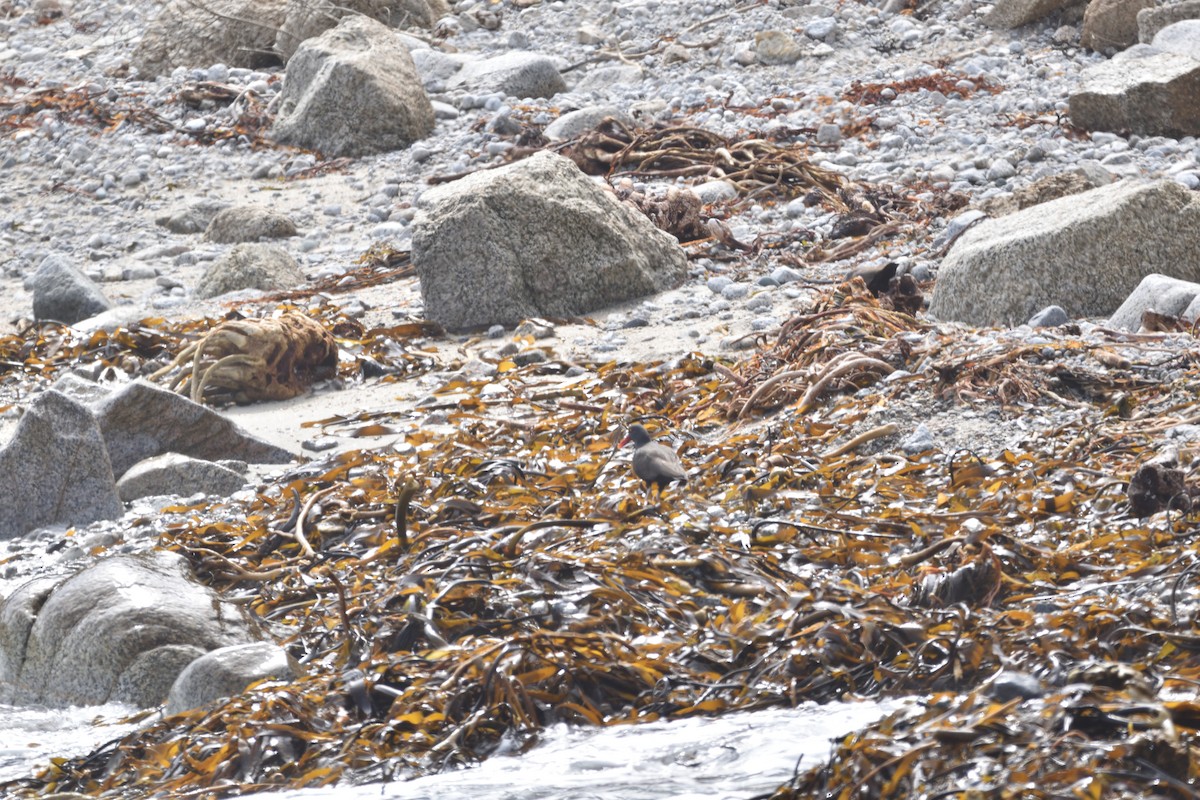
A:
(657, 465)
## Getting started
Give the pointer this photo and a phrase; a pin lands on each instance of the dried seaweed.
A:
(474, 583)
(756, 167)
(275, 358)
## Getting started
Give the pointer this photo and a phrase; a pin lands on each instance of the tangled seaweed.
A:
(495, 571)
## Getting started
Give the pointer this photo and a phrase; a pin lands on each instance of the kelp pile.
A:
(244, 116)
(40, 352)
(1107, 739)
(755, 167)
(496, 569)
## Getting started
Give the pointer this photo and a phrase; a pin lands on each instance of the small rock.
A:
(250, 266)
(823, 29)
(1160, 294)
(177, 474)
(919, 441)
(829, 134)
(538, 329)
(533, 356)
(715, 191)
(573, 123)
(194, 219)
(776, 47)
(783, 275)
(735, 290)
(1009, 685)
(590, 34)
(225, 672)
(1049, 317)
(248, 224)
(64, 294)
(513, 74)
(1000, 170)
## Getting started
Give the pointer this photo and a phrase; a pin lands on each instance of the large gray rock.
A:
(250, 266)
(1085, 252)
(305, 19)
(1142, 89)
(55, 469)
(573, 123)
(536, 238)
(601, 80)
(353, 91)
(1152, 20)
(248, 224)
(514, 74)
(120, 630)
(1182, 38)
(140, 420)
(1015, 13)
(1111, 25)
(1043, 190)
(64, 294)
(436, 67)
(17, 614)
(195, 218)
(174, 473)
(226, 672)
(1155, 293)
(238, 33)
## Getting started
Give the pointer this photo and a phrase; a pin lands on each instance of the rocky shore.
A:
(428, 261)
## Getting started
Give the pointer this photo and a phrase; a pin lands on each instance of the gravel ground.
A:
(966, 110)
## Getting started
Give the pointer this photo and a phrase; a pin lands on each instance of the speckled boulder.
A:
(1148, 90)
(226, 672)
(1015, 13)
(64, 294)
(140, 420)
(1085, 252)
(353, 91)
(1111, 25)
(120, 630)
(55, 469)
(537, 238)
(305, 19)
(1152, 20)
(250, 266)
(238, 33)
(248, 224)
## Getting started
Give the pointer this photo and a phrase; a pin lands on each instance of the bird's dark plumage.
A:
(657, 465)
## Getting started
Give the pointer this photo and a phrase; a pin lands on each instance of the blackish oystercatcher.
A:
(657, 465)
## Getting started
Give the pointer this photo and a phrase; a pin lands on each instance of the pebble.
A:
(1000, 170)
(715, 191)
(1049, 317)
(829, 134)
(735, 290)
(718, 284)
(823, 29)
(919, 441)
(782, 275)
